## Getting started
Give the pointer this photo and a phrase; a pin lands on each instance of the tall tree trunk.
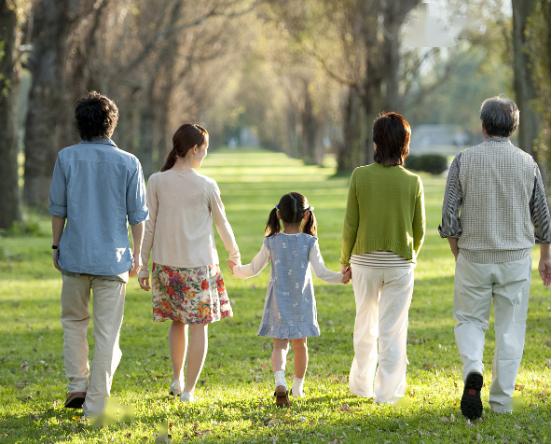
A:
(523, 79)
(292, 140)
(394, 16)
(9, 189)
(538, 49)
(147, 123)
(351, 152)
(47, 113)
(309, 126)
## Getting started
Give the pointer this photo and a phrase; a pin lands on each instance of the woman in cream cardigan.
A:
(187, 283)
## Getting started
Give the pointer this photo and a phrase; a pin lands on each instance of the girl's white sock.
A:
(297, 388)
(280, 378)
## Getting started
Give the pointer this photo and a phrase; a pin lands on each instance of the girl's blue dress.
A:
(290, 306)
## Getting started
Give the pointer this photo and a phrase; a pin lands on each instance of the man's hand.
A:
(346, 274)
(136, 264)
(231, 264)
(144, 283)
(544, 265)
(137, 238)
(55, 259)
(453, 243)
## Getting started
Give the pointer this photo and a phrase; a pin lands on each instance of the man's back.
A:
(96, 186)
(497, 181)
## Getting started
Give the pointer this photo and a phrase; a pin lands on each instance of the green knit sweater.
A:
(385, 212)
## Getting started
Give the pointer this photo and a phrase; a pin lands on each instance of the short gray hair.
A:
(499, 116)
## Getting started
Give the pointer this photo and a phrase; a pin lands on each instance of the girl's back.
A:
(290, 261)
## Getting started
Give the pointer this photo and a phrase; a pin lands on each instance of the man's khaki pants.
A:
(475, 286)
(382, 297)
(108, 301)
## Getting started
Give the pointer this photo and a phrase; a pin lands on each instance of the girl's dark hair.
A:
(96, 116)
(292, 207)
(185, 138)
(391, 134)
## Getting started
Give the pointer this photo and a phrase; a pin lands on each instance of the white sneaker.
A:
(187, 397)
(176, 387)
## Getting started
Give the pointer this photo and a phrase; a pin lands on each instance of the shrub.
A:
(430, 163)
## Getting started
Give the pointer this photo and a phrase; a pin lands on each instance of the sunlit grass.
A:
(235, 403)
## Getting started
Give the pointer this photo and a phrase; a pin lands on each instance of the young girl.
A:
(187, 282)
(290, 307)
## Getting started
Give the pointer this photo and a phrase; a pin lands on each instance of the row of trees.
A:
(304, 74)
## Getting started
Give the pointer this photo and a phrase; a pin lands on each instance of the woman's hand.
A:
(231, 264)
(144, 283)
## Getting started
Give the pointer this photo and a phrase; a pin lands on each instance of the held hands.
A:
(231, 264)
(345, 274)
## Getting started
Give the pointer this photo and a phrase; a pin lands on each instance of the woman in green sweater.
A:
(382, 235)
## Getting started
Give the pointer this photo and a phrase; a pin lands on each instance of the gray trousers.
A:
(475, 286)
(108, 302)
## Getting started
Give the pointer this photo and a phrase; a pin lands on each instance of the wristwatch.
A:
(54, 247)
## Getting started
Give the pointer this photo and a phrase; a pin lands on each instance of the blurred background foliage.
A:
(303, 77)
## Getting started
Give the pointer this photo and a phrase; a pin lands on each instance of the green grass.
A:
(235, 403)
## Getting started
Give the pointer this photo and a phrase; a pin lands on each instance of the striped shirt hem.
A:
(381, 259)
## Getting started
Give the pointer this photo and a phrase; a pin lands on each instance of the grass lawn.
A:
(235, 401)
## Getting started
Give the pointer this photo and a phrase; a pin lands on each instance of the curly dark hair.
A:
(96, 116)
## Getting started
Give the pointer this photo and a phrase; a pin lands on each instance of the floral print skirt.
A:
(190, 295)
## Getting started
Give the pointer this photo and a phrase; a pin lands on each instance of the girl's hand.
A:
(144, 283)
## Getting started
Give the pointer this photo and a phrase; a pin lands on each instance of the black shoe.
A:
(75, 400)
(471, 405)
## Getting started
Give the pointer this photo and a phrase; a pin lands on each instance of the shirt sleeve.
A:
(350, 224)
(58, 191)
(137, 211)
(153, 205)
(419, 222)
(540, 215)
(317, 263)
(223, 226)
(255, 267)
(452, 201)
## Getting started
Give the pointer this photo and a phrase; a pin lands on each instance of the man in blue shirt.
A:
(96, 191)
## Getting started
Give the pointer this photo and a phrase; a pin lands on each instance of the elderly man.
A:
(96, 188)
(494, 211)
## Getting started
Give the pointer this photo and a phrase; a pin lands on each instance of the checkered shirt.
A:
(495, 203)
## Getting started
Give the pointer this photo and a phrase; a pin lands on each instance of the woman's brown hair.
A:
(391, 134)
(184, 139)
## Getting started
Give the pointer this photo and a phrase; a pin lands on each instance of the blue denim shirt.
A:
(98, 188)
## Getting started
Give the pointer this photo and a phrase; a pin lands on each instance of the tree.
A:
(357, 42)
(46, 128)
(9, 188)
(537, 50)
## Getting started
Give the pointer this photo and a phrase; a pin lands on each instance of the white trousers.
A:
(382, 297)
(108, 301)
(475, 286)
